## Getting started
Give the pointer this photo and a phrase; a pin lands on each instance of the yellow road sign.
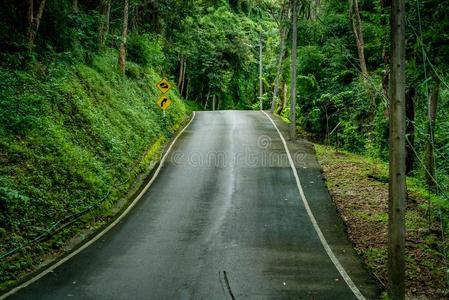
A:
(164, 102)
(164, 86)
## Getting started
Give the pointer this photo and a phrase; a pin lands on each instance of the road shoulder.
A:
(325, 212)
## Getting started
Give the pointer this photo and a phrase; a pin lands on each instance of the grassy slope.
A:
(71, 136)
(359, 187)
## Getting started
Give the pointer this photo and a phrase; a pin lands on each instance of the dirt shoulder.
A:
(359, 188)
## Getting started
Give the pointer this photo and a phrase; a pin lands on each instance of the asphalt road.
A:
(223, 220)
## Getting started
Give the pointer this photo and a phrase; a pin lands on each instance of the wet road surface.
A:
(223, 220)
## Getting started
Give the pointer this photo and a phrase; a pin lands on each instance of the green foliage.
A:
(334, 100)
(18, 111)
(311, 59)
(71, 126)
(219, 47)
(70, 136)
(146, 49)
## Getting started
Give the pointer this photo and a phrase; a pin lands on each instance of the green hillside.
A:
(73, 138)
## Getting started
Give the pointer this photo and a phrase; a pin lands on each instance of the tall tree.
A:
(183, 78)
(105, 22)
(410, 130)
(75, 5)
(385, 4)
(430, 147)
(122, 50)
(181, 72)
(354, 12)
(293, 69)
(357, 27)
(283, 98)
(397, 185)
(34, 20)
(283, 33)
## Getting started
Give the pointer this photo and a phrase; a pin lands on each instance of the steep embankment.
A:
(73, 139)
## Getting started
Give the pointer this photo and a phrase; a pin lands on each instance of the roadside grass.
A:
(73, 138)
(359, 187)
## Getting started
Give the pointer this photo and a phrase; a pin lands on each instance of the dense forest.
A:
(77, 113)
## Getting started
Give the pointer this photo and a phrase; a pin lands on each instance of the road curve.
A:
(223, 220)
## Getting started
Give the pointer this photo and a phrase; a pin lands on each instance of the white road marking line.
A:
(98, 236)
(323, 241)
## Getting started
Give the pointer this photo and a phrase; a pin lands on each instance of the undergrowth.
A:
(72, 137)
(359, 187)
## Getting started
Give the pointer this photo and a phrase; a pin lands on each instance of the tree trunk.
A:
(214, 99)
(410, 130)
(358, 32)
(386, 81)
(34, 21)
(315, 11)
(135, 20)
(183, 78)
(279, 69)
(354, 12)
(207, 100)
(397, 184)
(385, 55)
(260, 72)
(181, 70)
(122, 51)
(104, 24)
(430, 147)
(293, 70)
(188, 89)
(30, 20)
(285, 91)
(283, 98)
(154, 16)
(75, 6)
